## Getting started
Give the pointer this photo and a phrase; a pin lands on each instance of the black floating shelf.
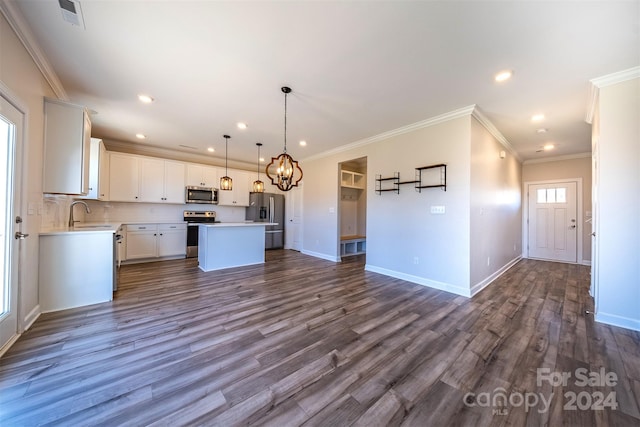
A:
(443, 177)
(395, 181)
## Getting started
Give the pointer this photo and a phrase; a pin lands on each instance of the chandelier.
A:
(287, 171)
(258, 186)
(226, 183)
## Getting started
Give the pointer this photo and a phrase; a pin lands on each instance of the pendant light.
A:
(286, 176)
(258, 186)
(226, 183)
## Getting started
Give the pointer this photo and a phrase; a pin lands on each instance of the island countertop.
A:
(237, 224)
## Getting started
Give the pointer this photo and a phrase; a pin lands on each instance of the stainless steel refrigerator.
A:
(268, 207)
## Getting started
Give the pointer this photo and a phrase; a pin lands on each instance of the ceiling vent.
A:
(72, 12)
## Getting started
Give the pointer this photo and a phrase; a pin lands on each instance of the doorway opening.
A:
(554, 221)
(353, 207)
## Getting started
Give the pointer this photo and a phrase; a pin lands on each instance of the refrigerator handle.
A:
(271, 208)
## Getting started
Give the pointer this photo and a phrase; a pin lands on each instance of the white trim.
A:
(458, 290)
(615, 78)
(462, 112)
(614, 320)
(30, 319)
(8, 344)
(115, 146)
(579, 210)
(604, 81)
(586, 262)
(321, 255)
(484, 121)
(487, 281)
(558, 158)
(24, 34)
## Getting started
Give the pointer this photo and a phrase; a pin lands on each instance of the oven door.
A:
(192, 240)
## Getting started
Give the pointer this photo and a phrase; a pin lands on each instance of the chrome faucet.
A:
(86, 208)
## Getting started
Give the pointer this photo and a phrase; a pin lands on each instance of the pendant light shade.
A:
(258, 186)
(226, 183)
(287, 173)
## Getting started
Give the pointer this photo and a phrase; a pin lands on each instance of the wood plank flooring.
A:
(303, 341)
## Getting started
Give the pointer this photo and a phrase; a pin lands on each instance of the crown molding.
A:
(28, 40)
(484, 121)
(113, 145)
(604, 81)
(558, 158)
(462, 112)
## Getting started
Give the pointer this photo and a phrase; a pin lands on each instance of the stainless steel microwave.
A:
(205, 195)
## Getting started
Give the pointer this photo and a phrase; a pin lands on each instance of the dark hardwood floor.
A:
(303, 341)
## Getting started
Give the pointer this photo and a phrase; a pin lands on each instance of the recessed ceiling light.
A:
(210, 149)
(303, 143)
(141, 136)
(262, 159)
(537, 117)
(548, 147)
(242, 125)
(542, 130)
(503, 75)
(145, 98)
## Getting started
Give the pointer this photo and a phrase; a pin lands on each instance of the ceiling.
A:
(357, 69)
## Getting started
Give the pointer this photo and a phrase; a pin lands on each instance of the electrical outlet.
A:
(437, 210)
(488, 261)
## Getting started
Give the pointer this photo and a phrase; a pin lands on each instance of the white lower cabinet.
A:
(172, 239)
(155, 240)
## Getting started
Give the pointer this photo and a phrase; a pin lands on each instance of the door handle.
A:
(571, 227)
(21, 236)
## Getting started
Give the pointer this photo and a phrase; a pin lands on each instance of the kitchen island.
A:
(230, 244)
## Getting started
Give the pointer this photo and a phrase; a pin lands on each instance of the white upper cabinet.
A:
(124, 173)
(239, 195)
(202, 176)
(145, 179)
(67, 140)
(98, 171)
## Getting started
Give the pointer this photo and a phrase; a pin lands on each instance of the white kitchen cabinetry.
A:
(202, 176)
(67, 140)
(124, 173)
(156, 240)
(98, 172)
(161, 181)
(172, 240)
(75, 269)
(239, 195)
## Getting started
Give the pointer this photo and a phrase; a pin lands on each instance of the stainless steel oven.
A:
(194, 218)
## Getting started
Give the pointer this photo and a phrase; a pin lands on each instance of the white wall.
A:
(618, 205)
(19, 73)
(400, 227)
(495, 211)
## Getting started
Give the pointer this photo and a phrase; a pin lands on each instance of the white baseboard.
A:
(8, 345)
(586, 262)
(487, 281)
(321, 255)
(31, 318)
(458, 290)
(614, 320)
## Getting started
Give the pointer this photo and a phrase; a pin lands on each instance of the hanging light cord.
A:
(226, 155)
(258, 168)
(285, 122)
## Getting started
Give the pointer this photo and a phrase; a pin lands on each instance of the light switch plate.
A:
(437, 210)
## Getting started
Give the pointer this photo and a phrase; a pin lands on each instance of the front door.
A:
(11, 131)
(553, 221)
